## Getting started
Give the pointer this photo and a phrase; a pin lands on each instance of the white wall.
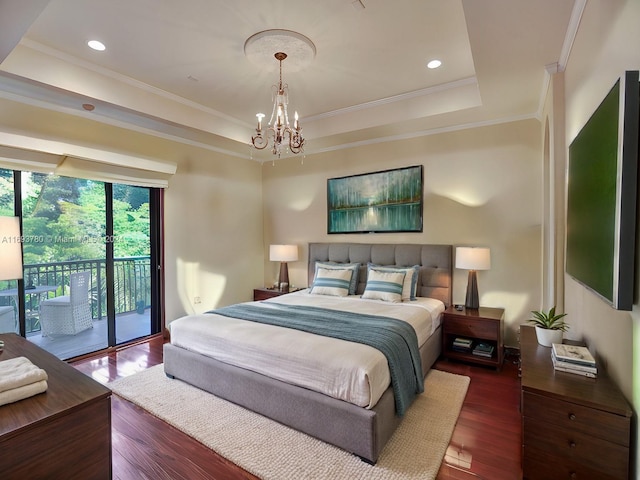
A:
(482, 186)
(606, 46)
(213, 234)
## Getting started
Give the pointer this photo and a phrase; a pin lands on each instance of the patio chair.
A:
(7, 320)
(68, 314)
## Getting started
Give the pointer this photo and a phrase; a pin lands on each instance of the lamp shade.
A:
(473, 258)
(10, 249)
(283, 253)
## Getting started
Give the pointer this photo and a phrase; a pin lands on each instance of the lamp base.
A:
(472, 300)
(283, 280)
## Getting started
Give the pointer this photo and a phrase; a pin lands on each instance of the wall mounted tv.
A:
(601, 196)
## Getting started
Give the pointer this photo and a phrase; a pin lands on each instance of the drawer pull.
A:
(572, 416)
(572, 444)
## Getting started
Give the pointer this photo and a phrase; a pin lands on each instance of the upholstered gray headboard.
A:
(436, 263)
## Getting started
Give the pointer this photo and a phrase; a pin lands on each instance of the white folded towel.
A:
(25, 391)
(18, 372)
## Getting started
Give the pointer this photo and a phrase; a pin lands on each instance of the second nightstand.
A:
(482, 325)
(264, 293)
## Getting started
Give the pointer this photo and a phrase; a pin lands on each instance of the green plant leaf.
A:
(549, 320)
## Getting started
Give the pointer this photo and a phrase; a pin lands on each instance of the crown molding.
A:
(426, 133)
(572, 32)
(561, 65)
(395, 98)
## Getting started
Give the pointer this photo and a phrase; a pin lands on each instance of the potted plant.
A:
(549, 326)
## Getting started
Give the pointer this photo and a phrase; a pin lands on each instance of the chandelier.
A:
(278, 129)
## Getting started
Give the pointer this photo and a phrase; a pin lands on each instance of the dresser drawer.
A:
(540, 465)
(472, 327)
(569, 416)
(573, 447)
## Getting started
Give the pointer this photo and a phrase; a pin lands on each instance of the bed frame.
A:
(358, 430)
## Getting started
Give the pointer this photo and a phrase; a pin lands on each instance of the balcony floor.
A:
(129, 326)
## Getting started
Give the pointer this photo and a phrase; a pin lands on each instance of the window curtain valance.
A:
(111, 167)
(108, 172)
(28, 160)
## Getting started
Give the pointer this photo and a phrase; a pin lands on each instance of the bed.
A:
(362, 425)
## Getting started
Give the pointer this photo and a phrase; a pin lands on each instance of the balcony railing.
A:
(132, 285)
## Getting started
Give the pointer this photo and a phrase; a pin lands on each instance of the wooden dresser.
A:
(62, 433)
(573, 427)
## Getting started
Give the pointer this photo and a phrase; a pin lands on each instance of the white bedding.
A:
(348, 371)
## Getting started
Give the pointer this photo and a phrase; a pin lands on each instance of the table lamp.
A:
(283, 254)
(10, 252)
(10, 249)
(473, 259)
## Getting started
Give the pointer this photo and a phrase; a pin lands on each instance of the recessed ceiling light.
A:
(96, 45)
(434, 64)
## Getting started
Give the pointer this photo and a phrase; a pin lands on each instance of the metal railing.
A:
(132, 284)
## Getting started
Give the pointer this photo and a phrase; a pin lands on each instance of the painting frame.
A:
(386, 201)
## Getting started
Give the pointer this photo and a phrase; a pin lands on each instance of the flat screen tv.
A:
(602, 198)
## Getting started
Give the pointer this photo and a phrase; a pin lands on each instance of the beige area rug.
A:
(271, 450)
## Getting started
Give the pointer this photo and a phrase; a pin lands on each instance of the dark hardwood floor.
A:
(489, 429)
(487, 435)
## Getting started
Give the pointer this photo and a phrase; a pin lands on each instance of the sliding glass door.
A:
(91, 274)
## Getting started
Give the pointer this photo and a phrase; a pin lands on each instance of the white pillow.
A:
(410, 284)
(385, 286)
(355, 267)
(332, 281)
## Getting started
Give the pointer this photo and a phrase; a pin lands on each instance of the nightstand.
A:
(482, 325)
(264, 293)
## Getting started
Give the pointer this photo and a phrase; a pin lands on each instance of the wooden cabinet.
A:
(573, 427)
(64, 432)
(484, 324)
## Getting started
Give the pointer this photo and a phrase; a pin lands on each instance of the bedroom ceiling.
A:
(178, 69)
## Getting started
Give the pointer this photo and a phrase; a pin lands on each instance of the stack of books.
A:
(461, 344)
(483, 350)
(573, 359)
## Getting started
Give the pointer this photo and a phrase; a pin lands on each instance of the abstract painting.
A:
(385, 201)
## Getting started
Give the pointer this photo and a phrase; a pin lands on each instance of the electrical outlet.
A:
(196, 300)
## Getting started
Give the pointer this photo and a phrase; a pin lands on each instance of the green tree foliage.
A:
(64, 219)
(51, 191)
(134, 196)
(6, 193)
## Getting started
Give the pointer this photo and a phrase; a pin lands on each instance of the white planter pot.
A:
(548, 337)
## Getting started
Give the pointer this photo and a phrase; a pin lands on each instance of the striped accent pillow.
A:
(332, 281)
(410, 284)
(353, 285)
(385, 286)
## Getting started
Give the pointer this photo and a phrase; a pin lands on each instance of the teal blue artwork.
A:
(386, 201)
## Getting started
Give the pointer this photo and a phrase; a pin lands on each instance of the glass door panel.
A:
(131, 262)
(64, 225)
